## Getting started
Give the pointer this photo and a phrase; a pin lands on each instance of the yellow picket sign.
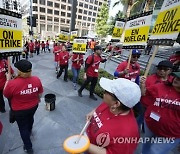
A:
(117, 32)
(63, 37)
(79, 48)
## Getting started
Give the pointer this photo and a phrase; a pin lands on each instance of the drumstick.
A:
(129, 60)
(82, 132)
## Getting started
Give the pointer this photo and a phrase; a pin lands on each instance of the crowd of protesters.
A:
(157, 98)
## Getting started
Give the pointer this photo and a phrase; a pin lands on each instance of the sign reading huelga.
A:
(167, 26)
(118, 29)
(63, 36)
(79, 45)
(10, 31)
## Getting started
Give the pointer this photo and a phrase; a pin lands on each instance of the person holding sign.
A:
(91, 71)
(31, 48)
(56, 51)
(131, 73)
(63, 62)
(77, 61)
(162, 116)
(114, 119)
(24, 93)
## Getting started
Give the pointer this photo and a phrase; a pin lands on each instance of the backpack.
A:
(92, 61)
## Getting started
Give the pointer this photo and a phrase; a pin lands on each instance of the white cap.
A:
(127, 92)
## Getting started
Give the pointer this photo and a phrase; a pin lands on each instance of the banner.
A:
(63, 36)
(11, 36)
(79, 45)
(137, 30)
(118, 29)
(167, 25)
(73, 35)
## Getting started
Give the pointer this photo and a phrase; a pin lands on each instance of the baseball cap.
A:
(127, 92)
(176, 74)
(165, 63)
(97, 47)
(23, 65)
(135, 51)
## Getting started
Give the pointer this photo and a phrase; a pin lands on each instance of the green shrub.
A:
(98, 90)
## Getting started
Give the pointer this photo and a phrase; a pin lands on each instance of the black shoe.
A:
(29, 151)
(3, 111)
(80, 93)
(57, 76)
(93, 97)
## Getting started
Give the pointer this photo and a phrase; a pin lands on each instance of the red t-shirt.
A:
(92, 70)
(150, 81)
(42, 45)
(63, 58)
(37, 45)
(56, 54)
(47, 43)
(108, 130)
(3, 73)
(134, 70)
(165, 103)
(174, 58)
(1, 127)
(77, 64)
(23, 92)
(31, 46)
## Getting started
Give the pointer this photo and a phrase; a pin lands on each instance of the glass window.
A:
(89, 19)
(69, 1)
(79, 17)
(91, 1)
(42, 17)
(56, 19)
(88, 24)
(80, 4)
(93, 19)
(96, 2)
(87, 0)
(49, 11)
(56, 12)
(83, 24)
(67, 21)
(49, 3)
(69, 8)
(42, 2)
(100, 3)
(49, 27)
(62, 20)
(90, 7)
(68, 14)
(95, 8)
(90, 13)
(63, 14)
(35, 8)
(49, 18)
(80, 10)
(85, 12)
(84, 17)
(56, 5)
(42, 9)
(63, 7)
(56, 29)
(42, 27)
(34, 1)
(63, 1)
(94, 14)
(86, 6)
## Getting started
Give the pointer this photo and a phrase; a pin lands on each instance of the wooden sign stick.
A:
(151, 60)
(9, 65)
(129, 60)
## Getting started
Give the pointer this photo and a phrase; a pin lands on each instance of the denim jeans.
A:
(157, 148)
(75, 74)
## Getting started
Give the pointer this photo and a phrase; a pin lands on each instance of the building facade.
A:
(52, 16)
(11, 5)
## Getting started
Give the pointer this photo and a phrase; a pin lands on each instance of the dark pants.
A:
(2, 104)
(43, 49)
(65, 68)
(37, 51)
(25, 120)
(93, 81)
(27, 54)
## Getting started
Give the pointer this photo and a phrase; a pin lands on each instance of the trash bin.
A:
(50, 101)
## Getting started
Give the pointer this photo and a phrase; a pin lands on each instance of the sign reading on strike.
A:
(63, 36)
(10, 31)
(167, 25)
(79, 45)
(118, 29)
(137, 30)
(73, 35)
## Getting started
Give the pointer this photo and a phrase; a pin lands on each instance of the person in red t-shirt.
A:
(43, 47)
(31, 48)
(24, 93)
(63, 62)
(3, 71)
(162, 116)
(37, 46)
(134, 69)
(113, 121)
(91, 71)
(57, 49)
(77, 61)
(47, 46)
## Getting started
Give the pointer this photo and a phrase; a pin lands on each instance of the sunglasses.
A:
(135, 56)
(163, 68)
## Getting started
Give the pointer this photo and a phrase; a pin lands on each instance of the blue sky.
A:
(113, 11)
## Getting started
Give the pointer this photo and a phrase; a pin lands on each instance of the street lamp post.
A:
(30, 13)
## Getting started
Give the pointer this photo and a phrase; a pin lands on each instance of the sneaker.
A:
(93, 97)
(74, 84)
(29, 151)
(3, 111)
(79, 93)
(57, 76)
